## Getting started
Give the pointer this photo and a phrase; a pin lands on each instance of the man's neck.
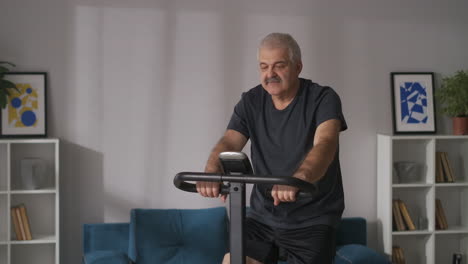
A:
(282, 101)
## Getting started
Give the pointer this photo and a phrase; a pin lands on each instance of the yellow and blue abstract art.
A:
(23, 106)
(25, 114)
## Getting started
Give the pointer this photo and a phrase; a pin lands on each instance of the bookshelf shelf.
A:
(18, 189)
(451, 185)
(37, 239)
(43, 191)
(411, 233)
(419, 189)
(412, 185)
(453, 230)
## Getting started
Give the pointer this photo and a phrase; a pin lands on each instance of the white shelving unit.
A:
(424, 245)
(42, 205)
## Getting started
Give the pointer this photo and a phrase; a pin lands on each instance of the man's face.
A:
(278, 73)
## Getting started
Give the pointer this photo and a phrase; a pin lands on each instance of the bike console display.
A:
(235, 163)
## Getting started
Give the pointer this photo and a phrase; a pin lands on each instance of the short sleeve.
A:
(238, 120)
(329, 107)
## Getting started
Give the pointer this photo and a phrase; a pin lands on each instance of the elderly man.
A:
(293, 125)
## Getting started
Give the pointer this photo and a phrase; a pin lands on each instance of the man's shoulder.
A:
(257, 90)
(310, 85)
(254, 93)
(314, 89)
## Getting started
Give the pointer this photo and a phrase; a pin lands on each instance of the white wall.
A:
(140, 90)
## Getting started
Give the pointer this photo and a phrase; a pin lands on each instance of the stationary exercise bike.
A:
(238, 172)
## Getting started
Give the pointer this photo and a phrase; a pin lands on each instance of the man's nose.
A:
(271, 73)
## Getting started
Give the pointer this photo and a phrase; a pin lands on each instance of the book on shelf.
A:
(16, 224)
(402, 255)
(395, 259)
(441, 220)
(398, 257)
(406, 216)
(439, 225)
(21, 222)
(397, 218)
(27, 226)
(444, 169)
(451, 174)
(439, 168)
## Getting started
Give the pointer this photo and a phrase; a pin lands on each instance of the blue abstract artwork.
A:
(413, 101)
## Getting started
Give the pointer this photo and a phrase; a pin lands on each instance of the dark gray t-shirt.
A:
(280, 140)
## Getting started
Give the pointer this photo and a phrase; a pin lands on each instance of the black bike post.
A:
(236, 226)
(238, 173)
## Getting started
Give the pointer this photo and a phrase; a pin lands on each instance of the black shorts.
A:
(309, 245)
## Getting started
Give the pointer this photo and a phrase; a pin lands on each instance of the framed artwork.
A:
(25, 113)
(413, 102)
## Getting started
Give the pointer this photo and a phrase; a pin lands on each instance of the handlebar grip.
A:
(180, 181)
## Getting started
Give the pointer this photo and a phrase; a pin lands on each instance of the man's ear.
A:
(299, 67)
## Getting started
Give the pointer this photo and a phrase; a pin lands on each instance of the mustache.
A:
(273, 80)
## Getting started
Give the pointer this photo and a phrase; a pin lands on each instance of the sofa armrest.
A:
(352, 230)
(105, 257)
(105, 237)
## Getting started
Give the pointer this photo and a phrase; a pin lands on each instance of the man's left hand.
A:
(283, 193)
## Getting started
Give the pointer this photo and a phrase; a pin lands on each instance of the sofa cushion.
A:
(177, 236)
(106, 257)
(357, 254)
(105, 237)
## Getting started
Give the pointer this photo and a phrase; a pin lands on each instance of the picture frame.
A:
(25, 114)
(413, 104)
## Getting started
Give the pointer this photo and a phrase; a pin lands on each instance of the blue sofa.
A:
(193, 236)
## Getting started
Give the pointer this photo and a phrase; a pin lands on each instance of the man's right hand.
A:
(231, 141)
(210, 189)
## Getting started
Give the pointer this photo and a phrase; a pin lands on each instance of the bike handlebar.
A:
(180, 181)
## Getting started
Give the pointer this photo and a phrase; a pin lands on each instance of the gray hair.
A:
(282, 40)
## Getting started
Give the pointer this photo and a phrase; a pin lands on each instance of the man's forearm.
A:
(224, 144)
(317, 161)
(213, 164)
